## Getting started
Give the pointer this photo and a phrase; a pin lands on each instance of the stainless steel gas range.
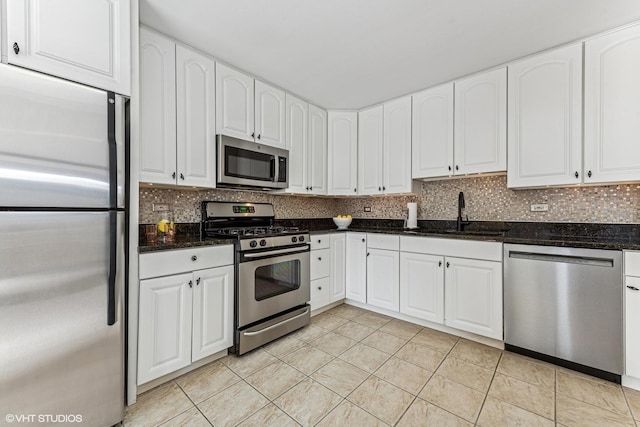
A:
(272, 286)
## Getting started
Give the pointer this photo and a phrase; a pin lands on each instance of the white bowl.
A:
(342, 223)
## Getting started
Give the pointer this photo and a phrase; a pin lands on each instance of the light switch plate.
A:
(160, 207)
(367, 208)
(541, 207)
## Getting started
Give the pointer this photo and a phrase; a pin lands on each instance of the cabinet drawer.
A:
(319, 241)
(490, 251)
(320, 293)
(383, 241)
(163, 263)
(632, 263)
(320, 264)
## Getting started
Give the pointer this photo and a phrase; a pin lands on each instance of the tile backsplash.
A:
(487, 199)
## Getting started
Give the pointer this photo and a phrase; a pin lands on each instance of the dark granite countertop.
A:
(581, 235)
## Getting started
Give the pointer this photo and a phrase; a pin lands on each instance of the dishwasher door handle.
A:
(568, 259)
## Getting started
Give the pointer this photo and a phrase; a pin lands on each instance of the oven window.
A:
(248, 164)
(276, 279)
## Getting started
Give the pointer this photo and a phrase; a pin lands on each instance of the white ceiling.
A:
(348, 54)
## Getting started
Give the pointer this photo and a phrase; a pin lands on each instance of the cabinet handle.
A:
(384, 188)
(457, 167)
(319, 288)
(589, 174)
(379, 188)
(310, 188)
(449, 168)
(182, 176)
(319, 241)
(253, 134)
(439, 263)
(173, 175)
(258, 136)
(16, 48)
(194, 258)
(319, 258)
(447, 264)
(197, 281)
(191, 283)
(355, 190)
(633, 288)
(362, 240)
(577, 174)
(368, 254)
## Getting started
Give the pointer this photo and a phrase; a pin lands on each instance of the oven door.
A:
(272, 281)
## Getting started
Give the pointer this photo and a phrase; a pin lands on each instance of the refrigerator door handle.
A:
(113, 254)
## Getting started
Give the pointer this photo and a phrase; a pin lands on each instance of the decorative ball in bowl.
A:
(342, 222)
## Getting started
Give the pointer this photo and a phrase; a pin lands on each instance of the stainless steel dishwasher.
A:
(564, 305)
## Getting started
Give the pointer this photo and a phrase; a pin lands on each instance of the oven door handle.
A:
(261, 331)
(275, 252)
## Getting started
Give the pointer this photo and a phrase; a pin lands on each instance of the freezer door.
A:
(57, 353)
(54, 142)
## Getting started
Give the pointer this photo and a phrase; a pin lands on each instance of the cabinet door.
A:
(612, 107)
(234, 103)
(87, 41)
(432, 132)
(480, 142)
(157, 108)
(196, 130)
(317, 152)
(338, 259)
(632, 327)
(473, 296)
(356, 265)
(422, 286)
(270, 113)
(343, 152)
(370, 137)
(545, 119)
(212, 311)
(383, 279)
(297, 113)
(164, 326)
(396, 156)
(320, 293)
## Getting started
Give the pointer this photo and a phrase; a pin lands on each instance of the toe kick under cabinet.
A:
(457, 283)
(186, 308)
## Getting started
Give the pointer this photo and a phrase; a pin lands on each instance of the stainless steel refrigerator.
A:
(62, 250)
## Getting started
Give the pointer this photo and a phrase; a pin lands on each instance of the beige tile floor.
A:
(352, 367)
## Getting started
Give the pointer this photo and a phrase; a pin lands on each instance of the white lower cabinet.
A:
(338, 246)
(473, 296)
(632, 313)
(422, 286)
(320, 271)
(383, 278)
(356, 267)
(187, 316)
(320, 293)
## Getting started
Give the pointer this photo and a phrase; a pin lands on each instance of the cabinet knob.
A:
(194, 258)
(355, 190)
(16, 48)
(173, 175)
(258, 136)
(457, 167)
(319, 241)
(368, 254)
(633, 288)
(447, 264)
(439, 263)
(449, 168)
(379, 188)
(384, 188)
(197, 281)
(576, 174)
(589, 174)
(319, 258)
(182, 176)
(191, 283)
(253, 134)
(319, 288)
(362, 240)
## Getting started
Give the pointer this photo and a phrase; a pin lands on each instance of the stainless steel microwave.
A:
(245, 164)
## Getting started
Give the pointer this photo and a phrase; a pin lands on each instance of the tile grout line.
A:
(486, 395)
(194, 403)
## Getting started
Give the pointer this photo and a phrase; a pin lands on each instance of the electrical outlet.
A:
(541, 207)
(367, 208)
(160, 207)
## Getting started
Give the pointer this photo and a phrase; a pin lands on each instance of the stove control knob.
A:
(253, 244)
(263, 242)
(294, 239)
(301, 239)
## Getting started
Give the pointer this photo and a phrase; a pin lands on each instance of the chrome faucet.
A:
(459, 222)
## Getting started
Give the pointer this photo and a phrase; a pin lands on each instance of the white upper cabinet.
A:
(544, 119)
(317, 152)
(87, 41)
(480, 142)
(612, 107)
(248, 109)
(234, 103)
(196, 130)
(177, 114)
(307, 143)
(343, 153)
(396, 157)
(297, 113)
(269, 115)
(432, 132)
(370, 137)
(157, 108)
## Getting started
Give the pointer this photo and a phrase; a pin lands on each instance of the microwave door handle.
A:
(274, 168)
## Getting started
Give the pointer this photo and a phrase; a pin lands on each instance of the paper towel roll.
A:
(412, 215)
